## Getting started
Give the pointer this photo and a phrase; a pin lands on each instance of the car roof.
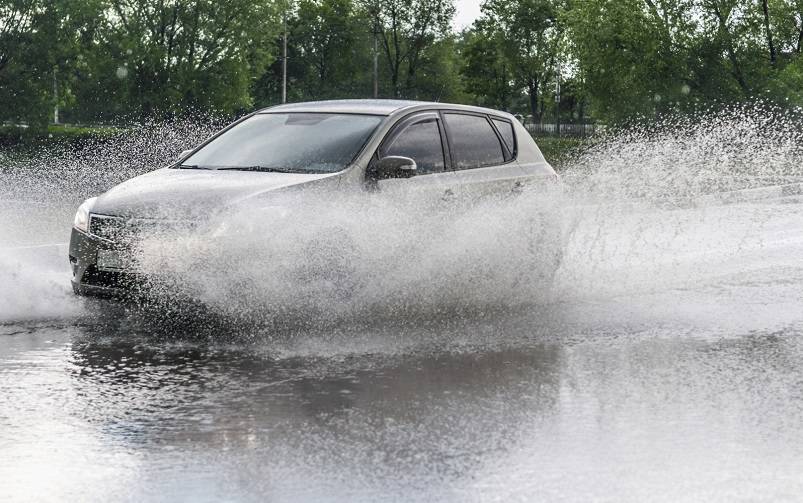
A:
(376, 107)
(372, 107)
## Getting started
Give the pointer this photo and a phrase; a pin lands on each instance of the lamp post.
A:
(557, 99)
(376, 68)
(284, 57)
(55, 97)
(374, 12)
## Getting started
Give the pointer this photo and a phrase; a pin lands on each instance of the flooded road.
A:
(670, 380)
(661, 416)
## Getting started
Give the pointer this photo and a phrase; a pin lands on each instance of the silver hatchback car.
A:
(452, 151)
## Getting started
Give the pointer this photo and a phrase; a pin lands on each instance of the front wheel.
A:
(329, 270)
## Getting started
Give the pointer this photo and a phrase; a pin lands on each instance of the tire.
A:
(545, 246)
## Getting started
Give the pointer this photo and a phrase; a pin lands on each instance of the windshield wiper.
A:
(266, 169)
(191, 166)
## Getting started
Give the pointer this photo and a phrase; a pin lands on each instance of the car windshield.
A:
(287, 142)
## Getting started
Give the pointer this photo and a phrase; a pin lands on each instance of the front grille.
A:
(111, 279)
(124, 230)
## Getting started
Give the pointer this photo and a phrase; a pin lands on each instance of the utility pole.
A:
(557, 99)
(374, 12)
(376, 67)
(284, 58)
(55, 97)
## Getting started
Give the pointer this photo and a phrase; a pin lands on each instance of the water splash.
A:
(40, 188)
(363, 256)
(73, 170)
(635, 227)
(680, 158)
(33, 285)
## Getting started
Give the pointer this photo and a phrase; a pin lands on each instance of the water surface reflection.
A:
(122, 414)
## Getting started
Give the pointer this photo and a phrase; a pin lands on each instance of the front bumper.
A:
(90, 279)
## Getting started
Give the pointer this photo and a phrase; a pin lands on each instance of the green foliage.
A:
(487, 73)
(328, 54)
(559, 151)
(332, 45)
(170, 56)
(406, 31)
(615, 60)
(647, 57)
(132, 57)
(437, 77)
(517, 44)
(39, 45)
(330, 57)
(616, 45)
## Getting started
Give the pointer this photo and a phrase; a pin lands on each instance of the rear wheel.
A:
(545, 248)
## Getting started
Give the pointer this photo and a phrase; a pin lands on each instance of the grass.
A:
(16, 135)
(559, 150)
(69, 130)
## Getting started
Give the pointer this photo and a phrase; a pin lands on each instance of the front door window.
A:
(421, 142)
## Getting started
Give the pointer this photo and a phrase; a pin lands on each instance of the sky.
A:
(466, 12)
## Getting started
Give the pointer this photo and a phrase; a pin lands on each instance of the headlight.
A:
(81, 221)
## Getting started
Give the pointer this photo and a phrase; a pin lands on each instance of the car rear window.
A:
(474, 142)
(505, 129)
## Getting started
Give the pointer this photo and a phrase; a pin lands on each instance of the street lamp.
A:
(55, 96)
(284, 56)
(557, 98)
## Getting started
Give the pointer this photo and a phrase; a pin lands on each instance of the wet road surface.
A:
(657, 416)
(664, 368)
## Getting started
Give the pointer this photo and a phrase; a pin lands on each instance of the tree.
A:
(785, 18)
(170, 56)
(486, 72)
(18, 19)
(16, 27)
(437, 77)
(406, 28)
(647, 57)
(530, 35)
(330, 49)
(39, 46)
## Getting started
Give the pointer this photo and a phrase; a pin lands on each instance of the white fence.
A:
(576, 130)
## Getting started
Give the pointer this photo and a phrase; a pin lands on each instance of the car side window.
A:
(473, 141)
(505, 129)
(421, 142)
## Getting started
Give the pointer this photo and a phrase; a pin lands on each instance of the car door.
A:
(482, 149)
(420, 137)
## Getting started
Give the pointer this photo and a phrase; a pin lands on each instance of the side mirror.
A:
(394, 167)
(184, 153)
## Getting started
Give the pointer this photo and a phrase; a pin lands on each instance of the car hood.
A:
(190, 193)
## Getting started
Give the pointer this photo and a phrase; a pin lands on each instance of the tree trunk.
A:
(737, 69)
(532, 88)
(773, 56)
